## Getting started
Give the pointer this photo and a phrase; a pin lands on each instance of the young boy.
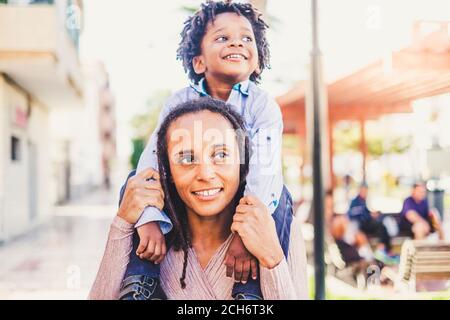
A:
(224, 51)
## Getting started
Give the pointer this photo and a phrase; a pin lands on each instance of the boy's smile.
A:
(235, 57)
(228, 50)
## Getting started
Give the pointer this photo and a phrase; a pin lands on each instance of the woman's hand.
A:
(253, 222)
(141, 192)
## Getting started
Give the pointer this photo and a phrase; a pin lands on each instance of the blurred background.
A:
(82, 83)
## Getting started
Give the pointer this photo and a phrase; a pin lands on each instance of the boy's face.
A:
(228, 49)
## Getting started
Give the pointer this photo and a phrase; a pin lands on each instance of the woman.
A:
(203, 161)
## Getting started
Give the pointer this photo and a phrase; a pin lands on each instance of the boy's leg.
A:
(141, 279)
(282, 216)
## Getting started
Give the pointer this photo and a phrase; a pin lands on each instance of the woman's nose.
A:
(205, 171)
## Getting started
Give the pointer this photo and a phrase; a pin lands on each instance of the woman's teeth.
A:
(207, 193)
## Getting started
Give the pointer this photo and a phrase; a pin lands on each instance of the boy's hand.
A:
(239, 260)
(152, 245)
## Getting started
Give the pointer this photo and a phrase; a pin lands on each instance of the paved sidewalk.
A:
(59, 260)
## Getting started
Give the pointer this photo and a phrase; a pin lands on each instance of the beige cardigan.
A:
(288, 280)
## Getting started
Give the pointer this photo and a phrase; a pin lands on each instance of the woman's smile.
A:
(208, 194)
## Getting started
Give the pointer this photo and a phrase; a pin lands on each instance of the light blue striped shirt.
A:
(263, 121)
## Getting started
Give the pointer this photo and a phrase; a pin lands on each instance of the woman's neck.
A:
(209, 233)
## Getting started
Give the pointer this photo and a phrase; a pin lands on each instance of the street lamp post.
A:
(318, 197)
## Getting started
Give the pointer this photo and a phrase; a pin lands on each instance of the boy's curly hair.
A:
(195, 28)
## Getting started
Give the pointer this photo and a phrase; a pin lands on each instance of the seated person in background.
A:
(353, 244)
(417, 220)
(370, 224)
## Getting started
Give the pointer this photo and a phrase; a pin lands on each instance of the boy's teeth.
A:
(208, 192)
(235, 56)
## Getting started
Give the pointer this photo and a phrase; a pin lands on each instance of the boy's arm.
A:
(149, 158)
(265, 179)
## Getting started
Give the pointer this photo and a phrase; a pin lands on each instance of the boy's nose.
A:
(236, 43)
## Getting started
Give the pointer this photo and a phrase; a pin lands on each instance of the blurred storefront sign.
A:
(20, 117)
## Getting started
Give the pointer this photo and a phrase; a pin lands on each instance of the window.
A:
(15, 149)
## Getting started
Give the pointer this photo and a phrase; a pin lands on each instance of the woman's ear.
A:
(198, 64)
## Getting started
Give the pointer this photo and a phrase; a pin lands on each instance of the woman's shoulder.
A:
(296, 225)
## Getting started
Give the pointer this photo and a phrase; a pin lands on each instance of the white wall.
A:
(3, 151)
(39, 134)
(16, 178)
(80, 128)
(15, 188)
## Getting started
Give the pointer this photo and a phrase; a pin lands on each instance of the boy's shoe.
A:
(383, 256)
(141, 288)
(247, 296)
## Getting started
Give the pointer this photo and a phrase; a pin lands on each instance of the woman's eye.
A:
(220, 156)
(189, 159)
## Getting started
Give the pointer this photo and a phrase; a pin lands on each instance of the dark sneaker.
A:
(141, 288)
(247, 296)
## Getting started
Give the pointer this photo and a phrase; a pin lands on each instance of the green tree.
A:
(348, 138)
(138, 147)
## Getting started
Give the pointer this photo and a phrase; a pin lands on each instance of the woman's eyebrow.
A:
(220, 146)
(184, 152)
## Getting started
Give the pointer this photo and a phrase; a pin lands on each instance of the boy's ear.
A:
(199, 65)
(258, 70)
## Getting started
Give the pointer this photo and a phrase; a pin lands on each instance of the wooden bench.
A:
(424, 265)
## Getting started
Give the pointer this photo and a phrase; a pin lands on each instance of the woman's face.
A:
(204, 161)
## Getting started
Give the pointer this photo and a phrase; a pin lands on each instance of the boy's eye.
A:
(247, 39)
(221, 39)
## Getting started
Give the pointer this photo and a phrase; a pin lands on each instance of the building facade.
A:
(83, 138)
(39, 73)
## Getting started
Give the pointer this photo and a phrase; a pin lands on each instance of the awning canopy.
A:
(386, 86)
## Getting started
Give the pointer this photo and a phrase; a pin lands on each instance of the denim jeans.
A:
(282, 216)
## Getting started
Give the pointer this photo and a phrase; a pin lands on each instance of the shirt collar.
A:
(200, 88)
